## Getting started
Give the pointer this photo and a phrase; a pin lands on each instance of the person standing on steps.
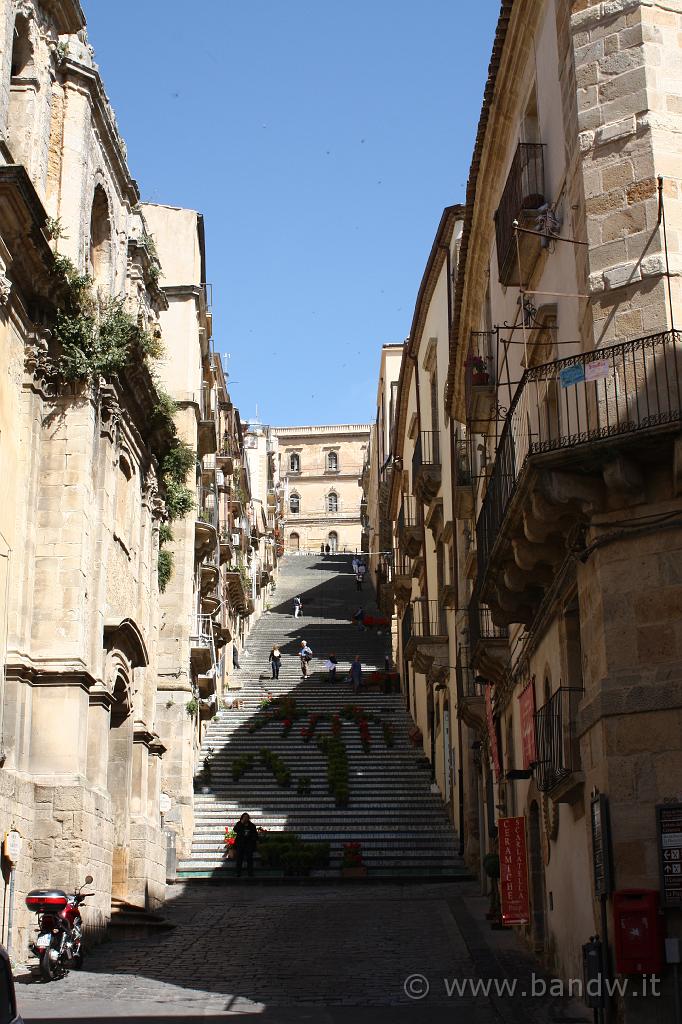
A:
(327, 550)
(305, 654)
(275, 660)
(331, 665)
(356, 674)
(362, 569)
(354, 564)
(245, 839)
(297, 607)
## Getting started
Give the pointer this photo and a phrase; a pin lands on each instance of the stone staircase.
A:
(402, 826)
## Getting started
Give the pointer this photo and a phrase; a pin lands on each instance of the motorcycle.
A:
(59, 945)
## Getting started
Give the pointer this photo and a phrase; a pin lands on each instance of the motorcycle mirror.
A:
(88, 879)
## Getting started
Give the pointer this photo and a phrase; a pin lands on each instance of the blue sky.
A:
(321, 140)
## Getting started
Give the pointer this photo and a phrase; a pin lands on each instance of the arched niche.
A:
(100, 253)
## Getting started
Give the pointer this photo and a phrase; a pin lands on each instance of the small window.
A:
(332, 462)
(295, 463)
(332, 502)
(294, 504)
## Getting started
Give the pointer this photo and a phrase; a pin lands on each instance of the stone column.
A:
(99, 712)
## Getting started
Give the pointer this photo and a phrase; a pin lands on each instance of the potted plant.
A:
(479, 371)
(351, 865)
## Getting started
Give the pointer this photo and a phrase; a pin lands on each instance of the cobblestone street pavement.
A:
(317, 954)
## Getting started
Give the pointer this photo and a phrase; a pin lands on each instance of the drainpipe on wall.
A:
(5, 632)
(431, 713)
(455, 572)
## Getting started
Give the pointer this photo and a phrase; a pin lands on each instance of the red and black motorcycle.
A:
(59, 945)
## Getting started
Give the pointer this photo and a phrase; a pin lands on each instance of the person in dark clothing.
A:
(333, 662)
(327, 549)
(356, 674)
(275, 660)
(246, 837)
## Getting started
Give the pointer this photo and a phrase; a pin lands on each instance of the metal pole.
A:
(10, 913)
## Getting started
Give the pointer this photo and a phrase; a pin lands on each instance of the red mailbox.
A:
(638, 931)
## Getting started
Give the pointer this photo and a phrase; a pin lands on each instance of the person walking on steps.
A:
(297, 607)
(359, 617)
(275, 660)
(356, 674)
(331, 665)
(354, 564)
(305, 654)
(246, 837)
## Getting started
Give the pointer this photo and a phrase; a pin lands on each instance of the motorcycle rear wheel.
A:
(48, 966)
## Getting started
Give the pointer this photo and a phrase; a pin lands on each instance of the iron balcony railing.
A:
(462, 464)
(407, 517)
(406, 628)
(481, 625)
(207, 404)
(208, 504)
(524, 190)
(581, 400)
(558, 753)
(428, 619)
(479, 369)
(426, 451)
(466, 686)
(401, 564)
(201, 633)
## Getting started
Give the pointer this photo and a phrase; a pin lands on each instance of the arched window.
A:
(23, 88)
(100, 238)
(294, 463)
(332, 502)
(333, 462)
(294, 541)
(294, 504)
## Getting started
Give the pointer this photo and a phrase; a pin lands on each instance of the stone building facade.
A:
(537, 524)
(322, 467)
(108, 384)
(80, 445)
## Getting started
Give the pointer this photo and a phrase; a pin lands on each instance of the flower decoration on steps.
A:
(352, 855)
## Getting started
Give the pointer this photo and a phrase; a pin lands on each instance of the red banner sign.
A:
(527, 708)
(513, 870)
(492, 732)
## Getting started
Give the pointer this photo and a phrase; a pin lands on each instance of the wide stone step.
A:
(402, 825)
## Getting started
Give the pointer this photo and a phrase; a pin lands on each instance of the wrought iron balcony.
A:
(523, 197)
(426, 467)
(470, 694)
(202, 649)
(479, 380)
(577, 414)
(488, 643)
(557, 770)
(401, 575)
(207, 434)
(428, 634)
(409, 528)
(464, 491)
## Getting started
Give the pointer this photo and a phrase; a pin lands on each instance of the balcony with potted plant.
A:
(479, 381)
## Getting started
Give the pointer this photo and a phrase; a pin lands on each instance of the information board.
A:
(669, 832)
(514, 897)
(601, 845)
